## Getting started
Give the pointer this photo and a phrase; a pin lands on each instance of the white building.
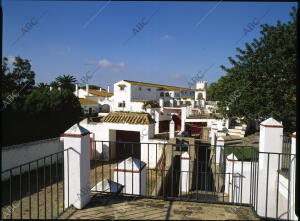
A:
(131, 95)
(94, 101)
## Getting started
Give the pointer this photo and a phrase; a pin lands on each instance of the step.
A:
(235, 130)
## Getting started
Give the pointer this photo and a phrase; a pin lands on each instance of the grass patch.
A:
(246, 153)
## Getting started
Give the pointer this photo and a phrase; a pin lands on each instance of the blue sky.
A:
(181, 39)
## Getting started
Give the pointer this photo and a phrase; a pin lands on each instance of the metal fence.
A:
(39, 192)
(35, 190)
(286, 150)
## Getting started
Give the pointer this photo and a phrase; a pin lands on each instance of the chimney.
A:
(76, 90)
(107, 88)
(87, 89)
(100, 89)
(51, 88)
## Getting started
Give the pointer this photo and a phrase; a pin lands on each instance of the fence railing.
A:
(34, 190)
(180, 171)
(286, 150)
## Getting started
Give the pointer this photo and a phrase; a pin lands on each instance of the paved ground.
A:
(117, 207)
(251, 140)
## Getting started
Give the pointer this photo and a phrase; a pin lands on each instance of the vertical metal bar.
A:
(197, 176)
(109, 161)
(156, 170)
(148, 174)
(57, 195)
(289, 178)
(278, 168)
(214, 182)
(125, 171)
(267, 186)
(51, 198)
(140, 187)
(21, 192)
(255, 187)
(68, 180)
(241, 193)
(188, 188)
(95, 166)
(232, 180)
(206, 170)
(257, 175)
(37, 187)
(163, 172)
(10, 193)
(132, 169)
(103, 167)
(251, 178)
(45, 192)
(29, 189)
(172, 174)
(224, 172)
(63, 176)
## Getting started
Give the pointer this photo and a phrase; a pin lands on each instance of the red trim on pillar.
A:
(74, 135)
(231, 160)
(271, 125)
(186, 158)
(220, 140)
(293, 135)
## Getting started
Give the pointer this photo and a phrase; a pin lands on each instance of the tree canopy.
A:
(34, 113)
(262, 80)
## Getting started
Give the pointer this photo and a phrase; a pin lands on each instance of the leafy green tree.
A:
(66, 82)
(211, 92)
(20, 79)
(262, 81)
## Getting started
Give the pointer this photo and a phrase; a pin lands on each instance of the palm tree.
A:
(66, 82)
(42, 86)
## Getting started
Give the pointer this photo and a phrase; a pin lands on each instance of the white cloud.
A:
(165, 37)
(115, 67)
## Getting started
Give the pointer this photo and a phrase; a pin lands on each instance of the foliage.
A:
(200, 96)
(262, 81)
(35, 112)
(66, 82)
(153, 104)
(211, 92)
(20, 79)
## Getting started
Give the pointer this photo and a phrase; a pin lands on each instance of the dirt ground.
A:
(251, 140)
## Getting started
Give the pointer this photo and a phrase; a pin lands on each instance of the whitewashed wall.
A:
(16, 155)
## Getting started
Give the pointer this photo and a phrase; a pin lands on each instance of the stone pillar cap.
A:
(75, 131)
(232, 157)
(271, 122)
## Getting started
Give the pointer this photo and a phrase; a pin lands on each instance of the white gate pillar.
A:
(172, 129)
(293, 216)
(185, 172)
(270, 140)
(213, 132)
(76, 166)
(220, 150)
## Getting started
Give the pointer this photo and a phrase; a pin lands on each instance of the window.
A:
(140, 88)
(161, 94)
(122, 88)
(121, 104)
(167, 94)
(149, 89)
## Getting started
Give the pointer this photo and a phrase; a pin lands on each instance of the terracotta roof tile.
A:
(87, 101)
(98, 93)
(164, 87)
(130, 118)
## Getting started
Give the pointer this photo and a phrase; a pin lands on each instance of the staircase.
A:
(237, 129)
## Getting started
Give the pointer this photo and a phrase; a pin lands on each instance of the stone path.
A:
(121, 207)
